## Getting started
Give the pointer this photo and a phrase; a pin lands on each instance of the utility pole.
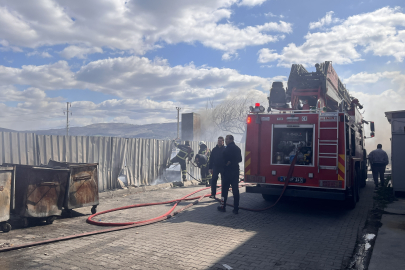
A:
(68, 104)
(178, 121)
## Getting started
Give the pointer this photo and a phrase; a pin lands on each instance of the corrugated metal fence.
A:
(145, 159)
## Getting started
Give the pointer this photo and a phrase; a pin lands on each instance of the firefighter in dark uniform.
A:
(202, 161)
(205, 174)
(232, 157)
(185, 153)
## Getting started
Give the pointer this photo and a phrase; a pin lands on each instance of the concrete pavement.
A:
(296, 234)
(388, 252)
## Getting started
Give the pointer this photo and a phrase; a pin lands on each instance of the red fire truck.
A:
(316, 120)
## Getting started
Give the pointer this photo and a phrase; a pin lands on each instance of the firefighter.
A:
(185, 153)
(205, 173)
(201, 161)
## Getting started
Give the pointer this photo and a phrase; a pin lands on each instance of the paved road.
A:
(296, 234)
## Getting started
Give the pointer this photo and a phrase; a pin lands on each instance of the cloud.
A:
(130, 77)
(134, 26)
(387, 96)
(327, 20)
(47, 77)
(79, 52)
(42, 54)
(379, 32)
(269, 14)
(229, 56)
(266, 55)
(364, 77)
(251, 3)
(146, 91)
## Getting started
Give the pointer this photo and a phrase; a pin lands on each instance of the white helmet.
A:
(202, 143)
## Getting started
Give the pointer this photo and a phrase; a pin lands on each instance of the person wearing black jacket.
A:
(232, 156)
(216, 165)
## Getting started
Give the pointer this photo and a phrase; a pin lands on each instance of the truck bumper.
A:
(299, 192)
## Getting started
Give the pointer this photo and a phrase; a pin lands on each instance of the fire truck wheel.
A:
(269, 197)
(50, 220)
(351, 198)
(363, 175)
(6, 227)
(358, 183)
(25, 222)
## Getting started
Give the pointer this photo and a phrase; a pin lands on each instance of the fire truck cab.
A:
(322, 125)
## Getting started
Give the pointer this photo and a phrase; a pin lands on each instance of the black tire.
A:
(363, 175)
(351, 198)
(50, 220)
(25, 222)
(69, 213)
(269, 197)
(358, 178)
(6, 227)
(94, 209)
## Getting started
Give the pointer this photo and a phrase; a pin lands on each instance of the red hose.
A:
(127, 225)
(289, 175)
(148, 221)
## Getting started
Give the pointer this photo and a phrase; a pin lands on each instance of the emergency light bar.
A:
(257, 109)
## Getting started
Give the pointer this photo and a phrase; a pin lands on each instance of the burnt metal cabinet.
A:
(82, 185)
(39, 192)
(6, 193)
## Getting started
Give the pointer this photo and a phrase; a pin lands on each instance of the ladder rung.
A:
(328, 141)
(328, 167)
(328, 128)
(328, 157)
(334, 144)
(328, 154)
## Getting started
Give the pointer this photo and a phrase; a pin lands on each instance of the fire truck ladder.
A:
(332, 140)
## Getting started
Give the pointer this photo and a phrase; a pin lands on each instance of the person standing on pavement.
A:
(216, 165)
(378, 159)
(232, 156)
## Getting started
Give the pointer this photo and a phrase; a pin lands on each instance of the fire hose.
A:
(133, 224)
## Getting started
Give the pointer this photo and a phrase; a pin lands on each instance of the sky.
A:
(136, 61)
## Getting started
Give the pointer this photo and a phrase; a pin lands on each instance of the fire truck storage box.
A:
(397, 121)
(6, 193)
(39, 191)
(82, 185)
